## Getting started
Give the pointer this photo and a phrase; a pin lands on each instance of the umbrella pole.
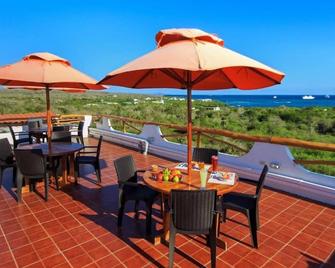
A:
(47, 94)
(189, 131)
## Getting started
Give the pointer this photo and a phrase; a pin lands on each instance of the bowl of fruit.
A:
(170, 175)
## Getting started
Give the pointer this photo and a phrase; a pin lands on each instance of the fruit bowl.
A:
(170, 175)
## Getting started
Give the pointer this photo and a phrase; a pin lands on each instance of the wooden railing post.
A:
(123, 126)
(199, 139)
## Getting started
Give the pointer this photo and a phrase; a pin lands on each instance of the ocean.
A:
(268, 100)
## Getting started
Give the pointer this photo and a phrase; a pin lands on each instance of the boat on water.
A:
(275, 97)
(308, 97)
(327, 97)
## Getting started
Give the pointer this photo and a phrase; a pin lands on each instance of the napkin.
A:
(195, 167)
(221, 177)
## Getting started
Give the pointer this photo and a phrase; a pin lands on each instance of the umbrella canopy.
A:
(194, 60)
(48, 72)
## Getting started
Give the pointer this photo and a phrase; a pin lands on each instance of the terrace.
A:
(77, 228)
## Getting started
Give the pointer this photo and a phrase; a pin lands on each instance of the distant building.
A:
(213, 108)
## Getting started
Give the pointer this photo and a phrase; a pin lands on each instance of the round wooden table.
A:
(186, 183)
(58, 149)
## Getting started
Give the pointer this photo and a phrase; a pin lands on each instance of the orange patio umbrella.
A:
(192, 59)
(46, 71)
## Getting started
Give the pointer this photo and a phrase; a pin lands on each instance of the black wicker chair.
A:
(193, 212)
(19, 137)
(31, 166)
(61, 136)
(91, 157)
(131, 190)
(33, 124)
(246, 204)
(60, 128)
(204, 155)
(6, 159)
(79, 137)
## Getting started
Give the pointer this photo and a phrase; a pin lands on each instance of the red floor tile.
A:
(77, 228)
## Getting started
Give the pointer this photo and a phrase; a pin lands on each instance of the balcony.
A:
(77, 228)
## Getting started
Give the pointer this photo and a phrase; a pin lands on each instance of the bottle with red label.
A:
(214, 163)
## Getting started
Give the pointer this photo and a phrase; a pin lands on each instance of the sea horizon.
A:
(251, 100)
(268, 100)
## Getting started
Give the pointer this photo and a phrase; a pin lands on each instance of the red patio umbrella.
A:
(46, 71)
(192, 59)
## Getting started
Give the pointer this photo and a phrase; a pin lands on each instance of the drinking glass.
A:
(203, 178)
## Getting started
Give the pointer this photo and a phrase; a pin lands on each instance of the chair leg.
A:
(46, 185)
(257, 218)
(82, 140)
(14, 177)
(54, 173)
(34, 186)
(149, 218)
(171, 245)
(19, 181)
(76, 173)
(120, 214)
(212, 243)
(0, 178)
(98, 172)
(136, 209)
(224, 215)
(218, 224)
(162, 205)
(252, 218)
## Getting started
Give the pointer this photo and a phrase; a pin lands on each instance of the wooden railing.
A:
(209, 133)
(68, 119)
(218, 136)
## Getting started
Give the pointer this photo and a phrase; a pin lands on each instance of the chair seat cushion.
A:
(139, 192)
(85, 159)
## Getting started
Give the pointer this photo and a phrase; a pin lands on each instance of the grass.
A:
(312, 124)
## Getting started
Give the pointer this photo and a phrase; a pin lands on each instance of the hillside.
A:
(313, 124)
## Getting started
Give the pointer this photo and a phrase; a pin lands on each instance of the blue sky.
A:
(295, 37)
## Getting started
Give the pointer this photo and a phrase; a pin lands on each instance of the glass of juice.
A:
(203, 178)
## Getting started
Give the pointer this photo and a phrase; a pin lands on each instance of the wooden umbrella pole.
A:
(47, 91)
(189, 131)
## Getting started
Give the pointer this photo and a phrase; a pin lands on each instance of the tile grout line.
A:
(285, 244)
(61, 252)
(312, 220)
(10, 250)
(89, 232)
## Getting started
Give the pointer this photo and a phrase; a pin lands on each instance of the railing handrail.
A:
(235, 135)
(223, 132)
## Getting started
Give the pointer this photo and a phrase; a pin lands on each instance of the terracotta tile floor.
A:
(77, 228)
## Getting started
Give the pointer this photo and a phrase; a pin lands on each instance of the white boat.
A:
(327, 97)
(275, 97)
(308, 97)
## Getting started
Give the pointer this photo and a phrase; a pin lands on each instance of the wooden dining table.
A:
(187, 183)
(63, 150)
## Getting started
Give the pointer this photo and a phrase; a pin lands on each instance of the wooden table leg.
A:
(71, 160)
(220, 243)
(164, 235)
(166, 221)
(64, 168)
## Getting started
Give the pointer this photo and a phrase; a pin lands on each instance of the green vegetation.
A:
(312, 124)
